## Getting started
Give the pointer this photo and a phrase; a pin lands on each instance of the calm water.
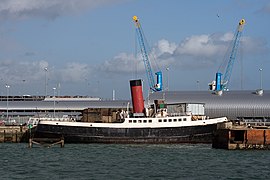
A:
(101, 161)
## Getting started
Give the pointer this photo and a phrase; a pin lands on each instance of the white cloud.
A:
(201, 45)
(164, 46)
(73, 72)
(122, 63)
(14, 72)
(226, 37)
(198, 51)
(19, 9)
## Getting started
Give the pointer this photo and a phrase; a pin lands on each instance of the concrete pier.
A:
(242, 137)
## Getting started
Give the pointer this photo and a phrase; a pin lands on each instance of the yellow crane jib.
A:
(242, 21)
(136, 21)
(241, 24)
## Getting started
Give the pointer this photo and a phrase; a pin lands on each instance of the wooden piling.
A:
(46, 142)
(30, 145)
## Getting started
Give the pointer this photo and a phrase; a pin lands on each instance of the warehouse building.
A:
(19, 109)
(236, 105)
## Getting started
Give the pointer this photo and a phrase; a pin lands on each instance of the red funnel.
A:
(137, 96)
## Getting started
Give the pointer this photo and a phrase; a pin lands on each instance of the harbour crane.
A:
(222, 84)
(149, 73)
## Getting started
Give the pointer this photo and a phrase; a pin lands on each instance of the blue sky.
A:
(89, 46)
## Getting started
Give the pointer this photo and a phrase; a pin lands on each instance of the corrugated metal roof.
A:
(233, 104)
(61, 105)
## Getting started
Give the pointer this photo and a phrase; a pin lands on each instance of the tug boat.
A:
(160, 123)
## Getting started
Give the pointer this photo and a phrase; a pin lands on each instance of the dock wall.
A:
(242, 138)
(12, 133)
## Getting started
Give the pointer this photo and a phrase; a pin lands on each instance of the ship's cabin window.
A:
(185, 119)
(174, 120)
(159, 120)
(164, 120)
(180, 119)
(139, 121)
(134, 121)
(130, 121)
(144, 121)
(170, 120)
(150, 121)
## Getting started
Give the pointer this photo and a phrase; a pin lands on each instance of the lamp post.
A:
(23, 81)
(261, 78)
(54, 102)
(58, 89)
(46, 83)
(7, 86)
(167, 69)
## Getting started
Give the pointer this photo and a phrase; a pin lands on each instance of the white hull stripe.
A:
(127, 124)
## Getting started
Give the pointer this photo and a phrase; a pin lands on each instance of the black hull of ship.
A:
(72, 134)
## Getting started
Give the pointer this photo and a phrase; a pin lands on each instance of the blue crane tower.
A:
(222, 84)
(149, 73)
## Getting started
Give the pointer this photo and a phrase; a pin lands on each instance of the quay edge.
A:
(13, 134)
(237, 137)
